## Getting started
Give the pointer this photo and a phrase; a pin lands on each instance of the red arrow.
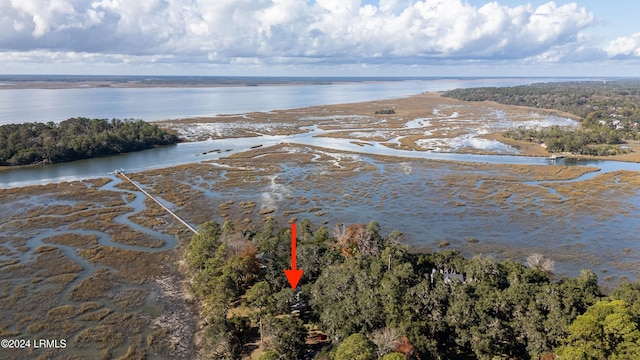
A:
(293, 275)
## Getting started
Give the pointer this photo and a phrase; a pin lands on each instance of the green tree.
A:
(394, 356)
(356, 347)
(228, 228)
(499, 309)
(345, 298)
(260, 296)
(221, 341)
(203, 245)
(606, 330)
(287, 337)
(269, 355)
(77, 138)
(629, 293)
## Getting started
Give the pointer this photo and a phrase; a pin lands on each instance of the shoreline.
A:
(37, 85)
(136, 84)
(232, 188)
(293, 121)
(297, 116)
(172, 319)
(53, 82)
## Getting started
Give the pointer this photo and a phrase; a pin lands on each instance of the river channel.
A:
(481, 204)
(185, 153)
(595, 236)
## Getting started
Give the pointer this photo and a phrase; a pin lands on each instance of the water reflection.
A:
(28, 105)
(186, 153)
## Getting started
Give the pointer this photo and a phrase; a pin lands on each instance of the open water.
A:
(149, 104)
(421, 208)
(596, 236)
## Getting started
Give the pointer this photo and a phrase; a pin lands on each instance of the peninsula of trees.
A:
(365, 296)
(608, 110)
(75, 139)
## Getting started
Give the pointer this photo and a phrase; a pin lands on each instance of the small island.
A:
(75, 139)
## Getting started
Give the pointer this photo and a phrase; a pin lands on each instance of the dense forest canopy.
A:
(609, 112)
(76, 138)
(368, 297)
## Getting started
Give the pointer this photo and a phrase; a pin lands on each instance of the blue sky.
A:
(321, 37)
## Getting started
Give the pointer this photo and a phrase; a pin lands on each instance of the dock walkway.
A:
(121, 173)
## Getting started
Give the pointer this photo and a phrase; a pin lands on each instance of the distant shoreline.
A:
(107, 81)
(57, 85)
(89, 82)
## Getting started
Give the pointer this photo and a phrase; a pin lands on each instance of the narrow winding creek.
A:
(214, 150)
(52, 261)
(76, 243)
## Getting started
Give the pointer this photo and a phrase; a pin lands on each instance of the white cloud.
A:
(326, 31)
(625, 46)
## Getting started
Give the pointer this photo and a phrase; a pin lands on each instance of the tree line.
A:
(575, 141)
(609, 112)
(373, 298)
(77, 138)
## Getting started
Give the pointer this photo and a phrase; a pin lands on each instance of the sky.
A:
(320, 37)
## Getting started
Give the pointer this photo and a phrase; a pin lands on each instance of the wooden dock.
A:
(123, 175)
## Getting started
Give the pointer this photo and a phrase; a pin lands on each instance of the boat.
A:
(554, 157)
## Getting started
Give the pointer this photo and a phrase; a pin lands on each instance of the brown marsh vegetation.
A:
(325, 180)
(110, 302)
(420, 122)
(102, 300)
